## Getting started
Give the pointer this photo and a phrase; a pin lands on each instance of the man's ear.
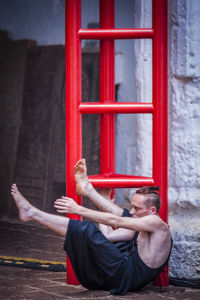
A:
(153, 210)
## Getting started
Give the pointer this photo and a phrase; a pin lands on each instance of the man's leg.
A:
(85, 188)
(106, 230)
(28, 212)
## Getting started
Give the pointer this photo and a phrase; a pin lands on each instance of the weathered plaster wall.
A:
(184, 136)
(184, 133)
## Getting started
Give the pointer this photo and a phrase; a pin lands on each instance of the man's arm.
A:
(120, 234)
(104, 204)
(85, 188)
(105, 230)
(148, 223)
(116, 235)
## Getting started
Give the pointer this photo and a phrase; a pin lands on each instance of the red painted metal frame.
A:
(110, 33)
(110, 180)
(73, 99)
(107, 106)
(107, 89)
(160, 100)
(115, 108)
(160, 114)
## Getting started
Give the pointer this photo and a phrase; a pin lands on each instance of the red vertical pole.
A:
(160, 97)
(107, 89)
(73, 98)
(160, 101)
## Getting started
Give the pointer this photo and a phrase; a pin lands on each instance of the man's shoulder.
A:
(158, 222)
(155, 218)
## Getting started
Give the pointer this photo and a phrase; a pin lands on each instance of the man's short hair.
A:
(153, 197)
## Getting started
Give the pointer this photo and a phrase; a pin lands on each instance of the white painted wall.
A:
(184, 136)
(184, 129)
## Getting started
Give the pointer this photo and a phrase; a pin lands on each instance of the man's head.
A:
(145, 201)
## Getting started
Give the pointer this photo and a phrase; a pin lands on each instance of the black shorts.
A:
(97, 263)
(100, 264)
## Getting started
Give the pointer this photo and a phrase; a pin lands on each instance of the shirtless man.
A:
(120, 260)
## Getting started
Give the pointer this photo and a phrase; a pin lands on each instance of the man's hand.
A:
(66, 205)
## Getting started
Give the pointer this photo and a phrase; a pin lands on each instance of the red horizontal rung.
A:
(114, 33)
(120, 181)
(117, 108)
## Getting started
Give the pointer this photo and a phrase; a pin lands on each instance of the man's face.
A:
(139, 209)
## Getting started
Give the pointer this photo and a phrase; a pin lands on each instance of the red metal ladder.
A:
(107, 107)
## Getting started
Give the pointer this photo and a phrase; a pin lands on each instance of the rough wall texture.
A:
(184, 133)
(184, 136)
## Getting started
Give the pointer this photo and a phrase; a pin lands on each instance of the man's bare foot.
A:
(25, 209)
(83, 186)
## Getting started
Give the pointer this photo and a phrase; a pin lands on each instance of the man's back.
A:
(154, 247)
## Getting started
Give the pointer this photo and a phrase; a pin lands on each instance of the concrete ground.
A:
(30, 241)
